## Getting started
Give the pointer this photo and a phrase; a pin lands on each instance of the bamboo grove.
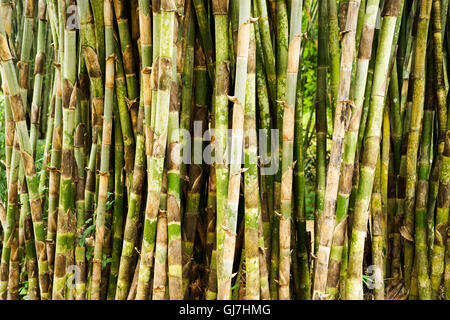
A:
(179, 149)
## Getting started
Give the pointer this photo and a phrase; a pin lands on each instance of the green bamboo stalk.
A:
(160, 275)
(377, 234)
(288, 149)
(54, 174)
(43, 182)
(9, 228)
(335, 53)
(438, 62)
(266, 44)
(117, 224)
(265, 125)
(29, 247)
(441, 243)
(321, 125)
(105, 151)
(171, 220)
(26, 50)
(99, 24)
(230, 218)
(196, 168)
(18, 112)
(9, 127)
(263, 262)
(159, 145)
(124, 115)
(14, 268)
(134, 203)
(353, 288)
(300, 197)
(187, 86)
(222, 83)
(65, 236)
(431, 203)
(129, 63)
(206, 36)
(350, 144)
(384, 177)
(93, 59)
(327, 221)
(413, 137)
(39, 69)
(281, 45)
(80, 179)
(420, 237)
(107, 245)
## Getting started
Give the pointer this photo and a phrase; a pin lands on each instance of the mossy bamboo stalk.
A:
(414, 132)
(281, 49)
(438, 62)
(341, 121)
(377, 234)
(353, 288)
(265, 138)
(420, 236)
(439, 255)
(384, 177)
(222, 84)
(350, 142)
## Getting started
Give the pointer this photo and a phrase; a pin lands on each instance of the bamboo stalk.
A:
(288, 149)
(105, 151)
(353, 288)
(251, 181)
(341, 121)
(222, 83)
(413, 137)
(350, 144)
(230, 218)
(159, 144)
